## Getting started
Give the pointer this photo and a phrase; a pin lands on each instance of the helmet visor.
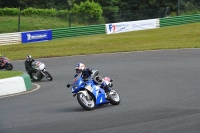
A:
(78, 70)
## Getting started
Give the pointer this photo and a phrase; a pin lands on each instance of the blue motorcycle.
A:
(90, 94)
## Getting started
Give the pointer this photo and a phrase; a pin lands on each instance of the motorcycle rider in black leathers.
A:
(28, 66)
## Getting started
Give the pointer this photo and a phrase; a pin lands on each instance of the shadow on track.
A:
(80, 109)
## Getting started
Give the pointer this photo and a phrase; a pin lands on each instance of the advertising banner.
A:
(130, 26)
(36, 36)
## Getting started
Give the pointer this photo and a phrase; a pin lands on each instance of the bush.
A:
(172, 14)
(9, 11)
(64, 14)
(88, 11)
(40, 12)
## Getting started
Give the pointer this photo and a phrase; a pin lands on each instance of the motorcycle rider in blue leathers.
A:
(87, 73)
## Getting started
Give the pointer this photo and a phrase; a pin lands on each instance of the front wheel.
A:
(9, 66)
(114, 97)
(48, 76)
(87, 102)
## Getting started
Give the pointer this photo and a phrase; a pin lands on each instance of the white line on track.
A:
(21, 93)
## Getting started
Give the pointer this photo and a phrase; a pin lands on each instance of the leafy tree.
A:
(88, 11)
(9, 3)
(110, 10)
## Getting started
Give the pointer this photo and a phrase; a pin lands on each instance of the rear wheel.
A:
(9, 66)
(114, 98)
(87, 103)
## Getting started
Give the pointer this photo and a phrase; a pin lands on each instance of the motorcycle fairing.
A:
(89, 85)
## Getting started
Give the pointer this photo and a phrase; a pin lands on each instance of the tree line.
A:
(100, 11)
(107, 5)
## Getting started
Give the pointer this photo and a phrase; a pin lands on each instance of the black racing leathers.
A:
(28, 67)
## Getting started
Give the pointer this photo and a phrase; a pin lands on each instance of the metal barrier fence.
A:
(16, 38)
(179, 20)
(185, 7)
(9, 24)
(78, 31)
(10, 38)
(21, 22)
(133, 15)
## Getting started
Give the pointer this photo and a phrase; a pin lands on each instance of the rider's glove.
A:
(90, 70)
(33, 70)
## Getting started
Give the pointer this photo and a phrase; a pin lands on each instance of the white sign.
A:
(34, 37)
(130, 26)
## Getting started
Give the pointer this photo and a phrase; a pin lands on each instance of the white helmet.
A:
(79, 68)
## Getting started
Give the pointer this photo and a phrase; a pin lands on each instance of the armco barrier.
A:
(179, 20)
(10, 38)
(78, 31)
(15, 85)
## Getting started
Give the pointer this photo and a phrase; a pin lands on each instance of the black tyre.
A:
(86, 103)
(48, 76)
(9, 66)
(114, 97)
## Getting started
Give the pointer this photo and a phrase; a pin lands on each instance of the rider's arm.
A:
(89, 73)
(95, 72)
(3, 63)
(75, 76)
(27, 66)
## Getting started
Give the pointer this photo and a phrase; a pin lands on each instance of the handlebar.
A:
(68, 85)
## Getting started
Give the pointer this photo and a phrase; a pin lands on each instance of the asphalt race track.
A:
(160, 93)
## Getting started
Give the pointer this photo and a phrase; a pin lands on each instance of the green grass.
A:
(174, 37)
(8, 74)
(9, 24)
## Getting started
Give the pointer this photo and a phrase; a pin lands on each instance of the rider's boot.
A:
(30, 74)
(107, 91)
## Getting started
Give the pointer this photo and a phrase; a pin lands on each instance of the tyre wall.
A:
(15, 84)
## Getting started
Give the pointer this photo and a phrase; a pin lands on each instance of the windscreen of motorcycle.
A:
(38, 65)
(77, 82)
(42, 66)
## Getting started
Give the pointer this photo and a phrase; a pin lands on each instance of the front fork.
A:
(87, 96)
(43, 72)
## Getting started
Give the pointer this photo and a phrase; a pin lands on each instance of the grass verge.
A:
(8, 74)
(9, 24)
(174, 37)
